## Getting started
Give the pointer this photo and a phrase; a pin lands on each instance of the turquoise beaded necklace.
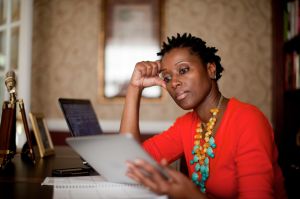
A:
(203, 148)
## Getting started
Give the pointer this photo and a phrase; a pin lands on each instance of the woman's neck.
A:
(211, 101)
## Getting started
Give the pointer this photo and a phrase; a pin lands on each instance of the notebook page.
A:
(96, 187)
(78, 180)
(104, 192)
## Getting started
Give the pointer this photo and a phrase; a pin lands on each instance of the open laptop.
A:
(80, 116)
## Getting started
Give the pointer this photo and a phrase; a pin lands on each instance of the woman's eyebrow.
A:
(177, 63)
(181, 61)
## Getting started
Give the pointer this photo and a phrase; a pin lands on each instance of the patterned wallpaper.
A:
(66, 51)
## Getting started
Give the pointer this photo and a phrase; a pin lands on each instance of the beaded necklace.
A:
(203, 148)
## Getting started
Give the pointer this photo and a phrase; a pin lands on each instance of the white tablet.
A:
(108, 153)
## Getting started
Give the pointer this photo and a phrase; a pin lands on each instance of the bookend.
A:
(8, 125)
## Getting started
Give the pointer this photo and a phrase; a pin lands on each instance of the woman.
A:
(228, 145)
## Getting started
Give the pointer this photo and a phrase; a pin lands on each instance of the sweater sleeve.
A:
(255, 156)
(168, 144)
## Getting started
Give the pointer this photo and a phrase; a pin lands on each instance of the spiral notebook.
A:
(96, 187)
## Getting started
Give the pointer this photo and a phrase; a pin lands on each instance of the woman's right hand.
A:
(176, 186)
(146, 74)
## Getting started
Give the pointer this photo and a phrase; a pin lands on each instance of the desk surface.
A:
(23, 180)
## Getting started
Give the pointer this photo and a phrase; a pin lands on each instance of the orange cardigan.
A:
(245, 163)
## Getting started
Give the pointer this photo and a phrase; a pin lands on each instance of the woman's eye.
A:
(167, 79)
(183, 70)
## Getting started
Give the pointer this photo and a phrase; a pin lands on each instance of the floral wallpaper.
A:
(66, 52)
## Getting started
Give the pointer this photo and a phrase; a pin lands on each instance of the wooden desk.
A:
(23, 180)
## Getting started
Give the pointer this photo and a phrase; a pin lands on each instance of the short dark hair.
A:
(196, 45)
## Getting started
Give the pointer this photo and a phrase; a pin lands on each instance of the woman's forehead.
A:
(177, 56)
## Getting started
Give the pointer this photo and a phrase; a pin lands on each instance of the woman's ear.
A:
(211, 70)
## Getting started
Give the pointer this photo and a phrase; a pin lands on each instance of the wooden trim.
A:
(278, 69)
(59, 137)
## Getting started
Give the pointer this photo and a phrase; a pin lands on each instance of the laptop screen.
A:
(80, 116)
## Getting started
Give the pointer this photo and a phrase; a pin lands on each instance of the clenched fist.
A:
(146, 74)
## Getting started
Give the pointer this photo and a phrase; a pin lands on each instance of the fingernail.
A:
(138, 161)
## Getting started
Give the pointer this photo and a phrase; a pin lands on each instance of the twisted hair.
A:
(197, 46)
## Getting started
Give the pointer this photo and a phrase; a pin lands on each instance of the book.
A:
(292, 71)
(96, 187)
(291, 21)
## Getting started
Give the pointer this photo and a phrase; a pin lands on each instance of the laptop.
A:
(108, 154)
(80, 116)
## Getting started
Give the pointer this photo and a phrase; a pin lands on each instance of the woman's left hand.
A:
(176, 186)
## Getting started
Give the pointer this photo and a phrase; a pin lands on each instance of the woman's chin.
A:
(185, 105)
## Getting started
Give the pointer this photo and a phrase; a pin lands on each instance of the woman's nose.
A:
(175, 82)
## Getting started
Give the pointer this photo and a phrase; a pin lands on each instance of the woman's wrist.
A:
(196, 193)
(133, 89)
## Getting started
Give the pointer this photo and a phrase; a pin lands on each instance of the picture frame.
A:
(42, 135)
(131, 32)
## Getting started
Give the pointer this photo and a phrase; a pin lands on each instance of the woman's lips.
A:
(181, 96)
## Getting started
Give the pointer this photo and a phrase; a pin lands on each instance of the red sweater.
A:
(245, 163)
